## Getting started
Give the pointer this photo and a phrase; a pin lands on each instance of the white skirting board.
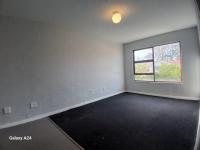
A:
(56, 111)
(162, 95)
(87, 102)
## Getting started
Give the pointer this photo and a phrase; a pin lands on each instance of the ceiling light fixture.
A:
(117, 17)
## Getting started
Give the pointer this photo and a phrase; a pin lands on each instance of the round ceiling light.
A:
(117, 17)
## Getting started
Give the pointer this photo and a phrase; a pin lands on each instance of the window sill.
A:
(159, 82)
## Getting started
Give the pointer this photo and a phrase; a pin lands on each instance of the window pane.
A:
(144, 77)
(144, 54)
(167, 62)
(146, 67)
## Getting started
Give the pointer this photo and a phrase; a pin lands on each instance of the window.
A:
(158, 64)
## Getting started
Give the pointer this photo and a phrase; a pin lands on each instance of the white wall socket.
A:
(7, 110)
(33, 105)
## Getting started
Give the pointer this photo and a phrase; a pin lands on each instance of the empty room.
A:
(99, 75)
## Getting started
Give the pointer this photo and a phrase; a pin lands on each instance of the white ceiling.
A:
(141, 18)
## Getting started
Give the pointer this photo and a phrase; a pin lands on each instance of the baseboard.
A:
(56, 111)
(162, 95)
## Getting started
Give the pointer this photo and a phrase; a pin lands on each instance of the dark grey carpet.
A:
(132, 122)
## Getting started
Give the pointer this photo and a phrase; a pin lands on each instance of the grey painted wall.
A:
(190, 60)
(55, 66)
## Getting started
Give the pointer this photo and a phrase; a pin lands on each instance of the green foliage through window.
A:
(159, 63)
(169, 72)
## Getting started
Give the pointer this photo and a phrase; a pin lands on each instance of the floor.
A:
(132, 122)
(45, 136)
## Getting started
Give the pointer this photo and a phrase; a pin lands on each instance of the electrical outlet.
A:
(7, 110)
(33, 105)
